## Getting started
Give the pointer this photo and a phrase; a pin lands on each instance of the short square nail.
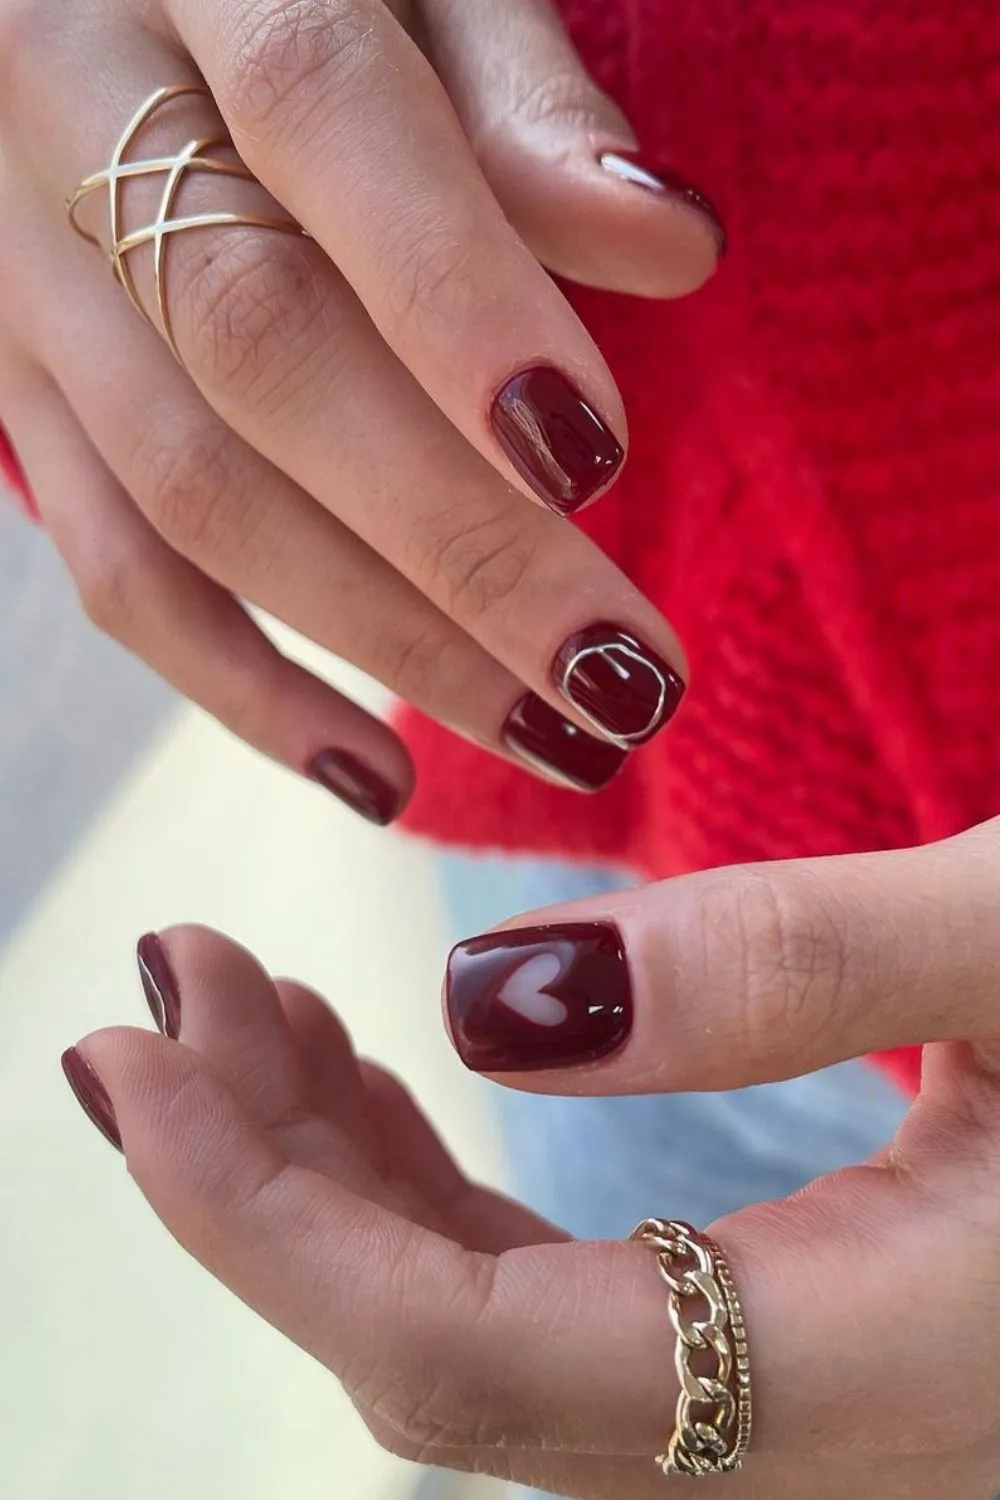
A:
(357, 784)
(554, 438)
(159, 985)
(654, 177)
(559, 749)
(619, 684)
(91, 1095)
(539, 997)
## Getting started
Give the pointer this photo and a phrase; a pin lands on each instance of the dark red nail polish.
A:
(159, 985)
(539, 997)
(629, 167)
(91, 1095)
(620, 685)
(358, 785)
(559, 749)
(555, 439)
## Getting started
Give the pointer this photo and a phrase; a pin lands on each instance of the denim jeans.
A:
(598, 1166)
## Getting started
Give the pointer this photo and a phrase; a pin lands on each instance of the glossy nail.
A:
(555, 439)
(619, 684)
(358, 785)
(159, 985)
(539, 997)
(91, 1095)
(559, 749)
(654, 178)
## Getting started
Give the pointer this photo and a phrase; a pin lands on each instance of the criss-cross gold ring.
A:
(214, 154)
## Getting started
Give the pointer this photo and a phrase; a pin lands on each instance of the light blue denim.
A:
(598, 1166)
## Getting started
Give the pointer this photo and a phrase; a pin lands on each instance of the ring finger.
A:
(277, 341)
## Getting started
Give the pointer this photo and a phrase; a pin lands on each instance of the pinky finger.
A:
(135, 588)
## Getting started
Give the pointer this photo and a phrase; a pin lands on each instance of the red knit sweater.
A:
(813, 491)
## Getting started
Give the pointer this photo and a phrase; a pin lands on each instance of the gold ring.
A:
(200, 155)
(713, 1415)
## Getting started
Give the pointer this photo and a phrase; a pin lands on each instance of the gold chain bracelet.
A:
(713, 1414)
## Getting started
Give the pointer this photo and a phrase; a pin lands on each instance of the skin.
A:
(324, 449)
(310, 1183)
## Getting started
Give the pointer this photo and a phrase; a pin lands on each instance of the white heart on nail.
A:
(524, 991)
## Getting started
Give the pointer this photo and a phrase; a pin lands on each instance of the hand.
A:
(347, 441)
(471, 1334)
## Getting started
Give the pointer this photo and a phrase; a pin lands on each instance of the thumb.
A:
(560, 156)
(738, 976)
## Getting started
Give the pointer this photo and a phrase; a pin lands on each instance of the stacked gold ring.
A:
(713, 1415)
(211, 154)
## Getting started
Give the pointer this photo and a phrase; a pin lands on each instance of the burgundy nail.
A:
(539, 997)
(619, 684)
(554, 746)
(91, 1095)
(630, 167)
(357, 784)
(555, 439)
(159, 985)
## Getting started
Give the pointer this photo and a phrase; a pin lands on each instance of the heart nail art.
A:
(539, 997)
(621, 686)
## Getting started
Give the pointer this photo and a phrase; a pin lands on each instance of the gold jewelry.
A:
(194, 157)
(695, 1270)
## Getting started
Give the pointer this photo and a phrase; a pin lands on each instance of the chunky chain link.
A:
(713, 1414)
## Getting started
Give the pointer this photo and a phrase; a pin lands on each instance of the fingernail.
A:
(358, 785)
(159, 985)
(91, 1095)
(555, 439)
(559, 749)
(660, 179)
(619, 684)
(539, 997)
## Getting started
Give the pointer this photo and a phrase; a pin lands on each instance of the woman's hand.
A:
(360, 420)
(471, 1334)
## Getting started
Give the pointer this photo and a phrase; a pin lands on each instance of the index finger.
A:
(336, 110)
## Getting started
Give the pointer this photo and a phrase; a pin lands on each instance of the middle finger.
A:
(278, 342)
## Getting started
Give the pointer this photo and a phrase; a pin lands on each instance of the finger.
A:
(215, 997)
(735, 977)
(270, 332)
(560, 156)
(344, 121)
(430, 1336)
(411, 1149)
(246, 525)
(213, 499)
(336, 1082)
(135, 588)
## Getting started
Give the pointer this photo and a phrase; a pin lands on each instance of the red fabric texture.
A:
(813, 489)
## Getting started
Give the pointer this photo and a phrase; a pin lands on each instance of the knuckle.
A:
(480, 563)
(415, 659)
(186, 481)
(782, 943)
(109, 586)
(243, 303)
(289, 54)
